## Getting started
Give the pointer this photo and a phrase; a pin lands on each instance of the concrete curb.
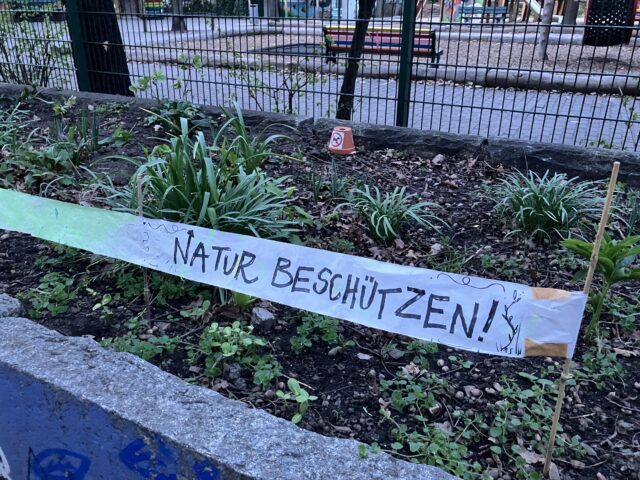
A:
(9, 306)
(71, 408)
(589, 163)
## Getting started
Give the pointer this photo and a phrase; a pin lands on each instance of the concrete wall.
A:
(70, 409)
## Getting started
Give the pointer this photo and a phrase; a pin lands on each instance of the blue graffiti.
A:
(155, 460)
(57, 464)
(161, 465)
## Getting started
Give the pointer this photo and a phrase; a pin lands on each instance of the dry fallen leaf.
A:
(626, 353)
(531, 457)
(554, 473)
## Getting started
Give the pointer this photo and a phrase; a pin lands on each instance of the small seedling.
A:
(300, 395)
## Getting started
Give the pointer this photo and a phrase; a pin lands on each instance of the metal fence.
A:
(487, 81)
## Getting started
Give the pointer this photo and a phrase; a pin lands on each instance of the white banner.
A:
(487, 316)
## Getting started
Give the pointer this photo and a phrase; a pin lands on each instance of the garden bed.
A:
(467, 413)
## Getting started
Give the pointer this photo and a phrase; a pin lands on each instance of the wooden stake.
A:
(564, 376)
(145, 274)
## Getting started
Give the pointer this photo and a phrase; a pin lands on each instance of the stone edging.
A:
(100, 415)
(591, 163)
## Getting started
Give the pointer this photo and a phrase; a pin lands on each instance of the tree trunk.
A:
(345, 102)
(543, 36)
(129, 6)
(570, 12)
(103, 54)
(177, 21)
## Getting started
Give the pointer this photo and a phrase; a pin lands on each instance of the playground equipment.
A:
(535, 8)
(307, 8)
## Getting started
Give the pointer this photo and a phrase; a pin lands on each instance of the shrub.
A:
(44, 62)
(548, 205)
(615, 262)
(386, 214)
(243, 150)
(184, 184)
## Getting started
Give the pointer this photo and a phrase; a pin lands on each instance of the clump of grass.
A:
(547, 206)
(184, 183)
(386, 214)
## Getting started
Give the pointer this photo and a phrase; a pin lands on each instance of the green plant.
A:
(290, 82)
(415, 389)
(266, 369)
(614, 264)
(316, 327)
(435, 446)
(170, 112)
(222, 343)
(624, 313)
(341, 245)
(61, 109)
(244, 151)
(242, 300)
(454, 359)
(183, 184)
(120, 137)
(53, 294)
(599, 366)
(196, 311)
(507, 267)
(145, 349)
(24, 61)
(386, 214)
(336, 185)
(520, 417)
(66, 147)
(102, 306)
(301, 397)
(548, 205)
(633, 217)
(448, 258)
(16, 137)
(317, 184)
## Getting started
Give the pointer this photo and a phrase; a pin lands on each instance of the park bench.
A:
(470, 12)
(380, 40)
(35, 10)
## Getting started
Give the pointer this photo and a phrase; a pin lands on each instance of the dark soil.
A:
(348, 382)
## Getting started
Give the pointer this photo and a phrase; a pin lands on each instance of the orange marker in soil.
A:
(342, 141)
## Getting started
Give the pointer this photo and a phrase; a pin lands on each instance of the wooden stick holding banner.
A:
(587, 287)
(147, 291)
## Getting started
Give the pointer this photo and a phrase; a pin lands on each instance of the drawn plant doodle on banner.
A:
(57, 464)
(513, 343)
(5, 470)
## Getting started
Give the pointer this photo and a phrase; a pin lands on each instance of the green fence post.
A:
(78, 46)
(406, 62)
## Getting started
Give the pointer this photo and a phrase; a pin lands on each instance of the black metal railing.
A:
(488, 78)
